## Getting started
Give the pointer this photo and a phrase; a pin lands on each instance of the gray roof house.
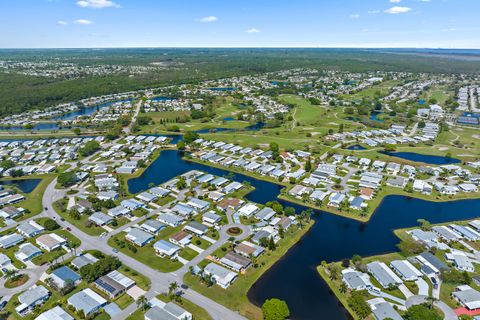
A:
(10, 240)
(383, 274)
(34, 296)
(139, 237)
(100, 218)
(87, 300)
(222, 276)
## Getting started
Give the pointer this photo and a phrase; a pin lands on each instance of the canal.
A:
(294, 277)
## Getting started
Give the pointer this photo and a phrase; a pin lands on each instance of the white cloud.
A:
(62, 23)
(83, 21)
(397, 10)
(97, 4)
(208, 19)
(395, 1)
(355, 16)
(252, 30)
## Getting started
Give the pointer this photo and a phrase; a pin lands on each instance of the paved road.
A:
(160, 281)
(129, 128)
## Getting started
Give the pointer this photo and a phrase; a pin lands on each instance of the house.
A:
(35, 296)
(230, 203)
(336, 199)
(248, 249)
(199, 205)
(64, 275)
(222, 276)
(467, 296)
(83, 260)
(430, 265)
(107, 195)
(466, 232)
(4, 260)
(118, 211)
(422, 186)
(159, 192)
(181, 238)
(265, 214)
(211, 218)
(235, 261)
(152, 226)
(383, 310)
(30, 229)
(56, 313)
(356, 280)
(166, 311)
(370, 180)
(50, 241)
(10, 240)
(169, 219)
(405, 270)
(460, 261)
(196, 228)
(357, 203)
(114, 284)
(397, 182)
(131, 204)
(183, 209)
(87, 301)
(100, 219)
(166, 249)
(446, 233)
(11, 212)
(383, 274)
(26, 252)
(146, 197)
(248, 210)
(139, 237)
(366, 193)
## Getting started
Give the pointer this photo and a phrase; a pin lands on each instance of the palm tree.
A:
(172, 288)
(343, 288)
(142, 301)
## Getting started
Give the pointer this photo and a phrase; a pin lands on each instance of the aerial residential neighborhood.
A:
(214, 160)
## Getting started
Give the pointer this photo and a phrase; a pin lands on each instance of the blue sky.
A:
(240, 23)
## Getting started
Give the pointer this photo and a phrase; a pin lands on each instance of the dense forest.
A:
(21, 92)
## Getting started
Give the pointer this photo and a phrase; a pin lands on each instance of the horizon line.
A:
(237, 47)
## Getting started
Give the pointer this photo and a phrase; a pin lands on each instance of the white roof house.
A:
(87, 300)
(405, 270)
(467, 296)
(222, 276)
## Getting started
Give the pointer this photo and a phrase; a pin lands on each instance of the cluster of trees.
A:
(89, 148)
(50, 224)
(357, 302)
(67, 178)
(93, 271)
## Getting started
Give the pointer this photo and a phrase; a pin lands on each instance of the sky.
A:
(240, 23)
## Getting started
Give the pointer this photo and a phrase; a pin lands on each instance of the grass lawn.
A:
(10, 283)
(235, 297)
(147, 254)
(140, 280)
(123, 301)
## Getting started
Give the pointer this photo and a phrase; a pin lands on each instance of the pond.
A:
(24, 185)
(254, 127)
(356, 147)
(223, 89)
(425, 158)
(294, 277)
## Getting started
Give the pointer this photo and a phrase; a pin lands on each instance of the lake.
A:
(24, 185)
(294, 277)
(356, 147)
(254, 127)
(418, 157)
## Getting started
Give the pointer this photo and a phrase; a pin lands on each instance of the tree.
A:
(275, 309)
(172, 288)
(142, 302)
(67, 178)
(421, 312)
(190, 136)
(308, 165)
(424, 224)
(358, 304)
(181, 145)
(76, 131)
(50, 224)
(89, 148)
(343, 288)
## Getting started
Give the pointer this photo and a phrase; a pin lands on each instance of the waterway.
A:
(294, 277)
(425, 158)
